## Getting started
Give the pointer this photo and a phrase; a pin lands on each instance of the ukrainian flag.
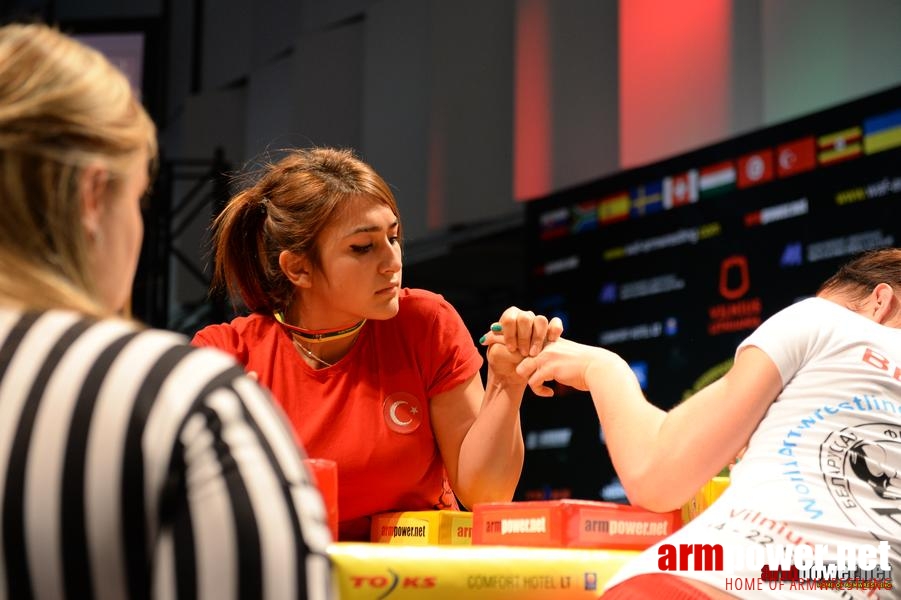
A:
(882, 132)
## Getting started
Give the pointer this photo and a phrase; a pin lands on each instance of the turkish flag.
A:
(755, 168)
(796, 157)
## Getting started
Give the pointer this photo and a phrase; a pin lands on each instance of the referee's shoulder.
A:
(155, 346)
(210, 357)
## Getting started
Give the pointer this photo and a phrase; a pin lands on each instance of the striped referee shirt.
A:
(135, 466)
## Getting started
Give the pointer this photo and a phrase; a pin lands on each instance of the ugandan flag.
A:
(840, 145)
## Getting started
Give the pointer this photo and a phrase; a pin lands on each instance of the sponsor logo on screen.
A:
(561, 265)
(887, 186)
(739, 312)
(847, 245)
(777, 212)
(792, 255)
(679, 237)
(612, 292)
(631, 333)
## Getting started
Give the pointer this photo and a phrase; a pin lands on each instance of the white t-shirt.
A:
(823, 465)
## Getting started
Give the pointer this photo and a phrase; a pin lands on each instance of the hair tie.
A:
(264, 205)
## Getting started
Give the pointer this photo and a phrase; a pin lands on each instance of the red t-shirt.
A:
(368, 412)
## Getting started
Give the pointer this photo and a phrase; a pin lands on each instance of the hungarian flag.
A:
(680, 189)
(840, 145)
(716, 179)
(755, 168)
(796, 157)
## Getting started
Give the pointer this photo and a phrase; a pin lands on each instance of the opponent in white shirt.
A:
(814, 398)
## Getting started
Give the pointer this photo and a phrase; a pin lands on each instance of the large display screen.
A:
(672, 264)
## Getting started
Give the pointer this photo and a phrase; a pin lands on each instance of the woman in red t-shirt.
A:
(382, 379)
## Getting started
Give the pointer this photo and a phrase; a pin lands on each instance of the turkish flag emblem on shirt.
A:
(755, 168)
(403, 412)
(796, 157)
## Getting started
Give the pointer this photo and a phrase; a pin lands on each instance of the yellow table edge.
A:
(386, 572)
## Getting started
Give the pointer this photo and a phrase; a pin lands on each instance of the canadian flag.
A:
(680, 189)
(755, 168)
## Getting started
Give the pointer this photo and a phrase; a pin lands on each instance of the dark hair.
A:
(287, 209)
(859, 276)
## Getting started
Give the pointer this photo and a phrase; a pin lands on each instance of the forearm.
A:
(631, 424)
(491, 455)
(662, 458)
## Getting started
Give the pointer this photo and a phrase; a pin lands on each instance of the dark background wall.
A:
(469, 108)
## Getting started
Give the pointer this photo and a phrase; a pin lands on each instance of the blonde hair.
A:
(63, 106)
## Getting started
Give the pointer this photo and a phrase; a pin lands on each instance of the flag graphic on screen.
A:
(585, 216)
(839, 146)
(716, 179)
(882, 132)
(553, 223)
(755, 168)
(681, 189)
(614, 208)
(647, 199)
(796, 157)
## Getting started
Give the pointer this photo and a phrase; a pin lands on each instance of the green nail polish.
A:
(482, 339)
(497, 327)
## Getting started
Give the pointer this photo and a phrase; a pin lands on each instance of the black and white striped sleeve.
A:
(246, 495)
(135, 466)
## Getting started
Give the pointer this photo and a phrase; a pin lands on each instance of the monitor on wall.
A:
(672, 264)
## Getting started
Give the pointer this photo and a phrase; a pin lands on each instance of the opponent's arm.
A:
(662, 458)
